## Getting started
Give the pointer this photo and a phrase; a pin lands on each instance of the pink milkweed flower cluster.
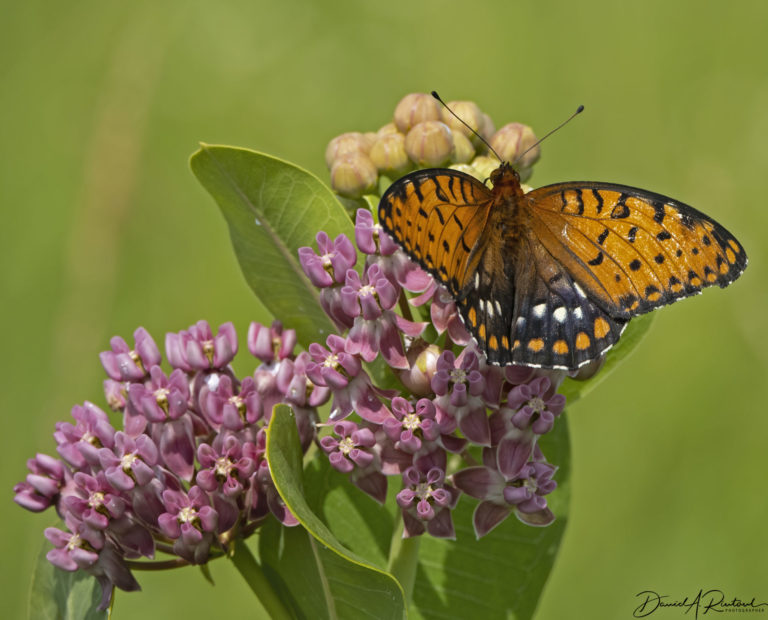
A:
(453, 402)
(188, 471)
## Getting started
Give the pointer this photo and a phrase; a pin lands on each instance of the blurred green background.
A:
(104, 229)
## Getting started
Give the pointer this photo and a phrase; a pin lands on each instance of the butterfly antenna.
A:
(578, 111)
(463, 122)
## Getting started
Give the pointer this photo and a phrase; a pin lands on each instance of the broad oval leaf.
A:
(61, 595)
(335, 582)
(273, 208)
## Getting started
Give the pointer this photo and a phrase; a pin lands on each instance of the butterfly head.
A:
(505, 174)
(506, 179)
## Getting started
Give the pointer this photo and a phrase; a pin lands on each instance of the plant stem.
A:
(249, 568)
(403, 560)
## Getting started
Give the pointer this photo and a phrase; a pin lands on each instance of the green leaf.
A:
(503, 574)
(61, 595)
(310, 566)
(272, 209)
(636, 330)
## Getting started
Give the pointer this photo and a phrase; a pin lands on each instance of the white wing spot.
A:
(538, 311)
(477, 279)
(489, 308)
(560, 314)
(520, 321)
(578, 313)
(579, 291)
(498, 307)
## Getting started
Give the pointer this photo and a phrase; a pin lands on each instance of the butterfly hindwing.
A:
(532, 312)
(633, 250)
(438, 217)
(556, 324)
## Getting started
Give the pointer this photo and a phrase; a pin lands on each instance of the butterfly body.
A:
(549, 278)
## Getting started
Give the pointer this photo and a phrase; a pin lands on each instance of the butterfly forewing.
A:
(631, 249)
(438, 217)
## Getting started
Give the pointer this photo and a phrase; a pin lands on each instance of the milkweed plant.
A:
(371, 450)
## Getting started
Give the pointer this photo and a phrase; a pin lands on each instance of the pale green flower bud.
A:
(388, 129)
(353, 175)
(484, 165)
(466, 168)
(347, 143)
(463, 149)
(429, 143)
(414, 109)
(388, 154)
(488, 128)
(467, 111)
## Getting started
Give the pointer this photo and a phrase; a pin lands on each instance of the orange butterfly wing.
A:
(438, 216)
(633, 250)
(550, 278)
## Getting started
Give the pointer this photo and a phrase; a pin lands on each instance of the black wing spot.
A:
(446, 246)
(423, 213)
(635, 265)
(597, 259)
(620, 209)
(659, 258)
(599, 200)
(663, 235)
(439, 191)
(632, 234)
(706, 240)
(627, 301)
(417, 191)
(650, 290)
(440, 217)
(458, 222)
(603, 236)
(579, 202)
(695, 251)
(659, 214)
(679, 253)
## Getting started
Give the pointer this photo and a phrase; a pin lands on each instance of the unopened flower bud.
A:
(467, 111)
(429, 143)
(488, 128)
(387, 129)
(422, 362)
(347, 143)
(354, 175)
(513, 140)
(414, 109)
(463, 149)
(388, 154)
(465, 168)
(484, 165)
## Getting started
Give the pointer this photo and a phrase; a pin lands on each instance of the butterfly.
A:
(550, 278)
